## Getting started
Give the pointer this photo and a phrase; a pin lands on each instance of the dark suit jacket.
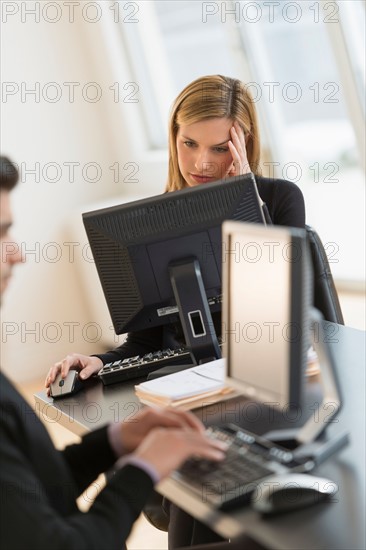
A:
(39, 485)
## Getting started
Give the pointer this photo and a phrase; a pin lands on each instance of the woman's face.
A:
(203, 151)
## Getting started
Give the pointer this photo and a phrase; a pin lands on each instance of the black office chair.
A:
(325, 293)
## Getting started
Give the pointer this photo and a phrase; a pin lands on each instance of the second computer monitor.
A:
(267, 296)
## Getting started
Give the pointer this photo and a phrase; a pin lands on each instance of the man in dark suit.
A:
(39, 485)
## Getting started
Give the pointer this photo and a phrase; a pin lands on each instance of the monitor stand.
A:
(195, 316)
(307, 441)
(194, 310)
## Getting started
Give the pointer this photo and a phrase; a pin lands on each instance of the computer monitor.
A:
(267, 298)
(159, 259)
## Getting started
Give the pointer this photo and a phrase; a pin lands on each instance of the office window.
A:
(299, 86)
(353, 16)
(194, 48)
(313, 116)
(305, 64)
(174, 48)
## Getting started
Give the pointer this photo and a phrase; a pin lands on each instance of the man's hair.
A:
(9, 174)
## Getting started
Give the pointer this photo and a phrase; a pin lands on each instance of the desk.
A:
(336, 525)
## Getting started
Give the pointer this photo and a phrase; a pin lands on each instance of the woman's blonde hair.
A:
(207, 97)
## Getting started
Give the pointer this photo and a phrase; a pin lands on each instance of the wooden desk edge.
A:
(225, 525)
(44, 407)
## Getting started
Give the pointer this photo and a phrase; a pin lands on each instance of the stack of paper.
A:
(189, 388)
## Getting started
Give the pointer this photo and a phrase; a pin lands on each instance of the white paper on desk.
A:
(204, 378)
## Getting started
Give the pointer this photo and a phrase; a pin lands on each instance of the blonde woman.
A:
(213, 134)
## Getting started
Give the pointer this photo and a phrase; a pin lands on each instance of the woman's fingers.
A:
(86, 364)
(238, 150)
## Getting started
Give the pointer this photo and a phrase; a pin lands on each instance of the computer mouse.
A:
(286, 492)
(62, 387)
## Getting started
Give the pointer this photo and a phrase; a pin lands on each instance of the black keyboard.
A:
(142, 365)
(249, 460)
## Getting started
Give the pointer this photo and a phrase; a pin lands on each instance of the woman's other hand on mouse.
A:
(84, 363)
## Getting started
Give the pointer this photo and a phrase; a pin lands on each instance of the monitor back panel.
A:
(265, 311)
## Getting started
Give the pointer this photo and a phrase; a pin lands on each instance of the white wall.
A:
(45, 295)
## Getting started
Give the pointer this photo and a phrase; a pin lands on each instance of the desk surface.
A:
(339, 524)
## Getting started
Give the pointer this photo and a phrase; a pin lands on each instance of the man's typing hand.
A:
(140, 425)
(165, 449)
